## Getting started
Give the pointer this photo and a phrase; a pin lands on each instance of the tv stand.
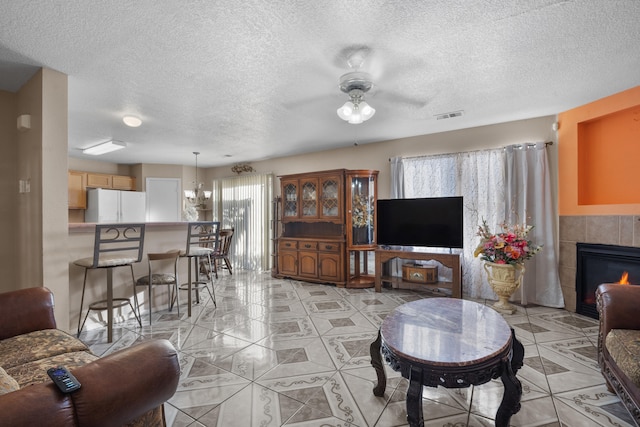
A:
(451, 260)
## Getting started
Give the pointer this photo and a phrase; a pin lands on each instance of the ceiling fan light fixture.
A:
(356, 110)
(346, 110)
(366, 110)
(355, 119)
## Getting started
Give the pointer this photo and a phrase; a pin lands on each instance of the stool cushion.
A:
(106, 261)
(37, 345)
(157, 279)
(197, 251)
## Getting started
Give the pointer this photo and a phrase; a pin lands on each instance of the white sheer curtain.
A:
(397, 178)
(509, 184)
(244, 203)
(476, 176)
(529, 200)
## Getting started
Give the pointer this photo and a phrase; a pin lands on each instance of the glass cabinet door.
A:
(330, 198)
(309, 206)
(361, 197)
(289, 199)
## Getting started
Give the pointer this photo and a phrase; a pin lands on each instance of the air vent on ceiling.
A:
(449, 115)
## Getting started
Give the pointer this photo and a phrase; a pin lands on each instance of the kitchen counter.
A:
(83, 227)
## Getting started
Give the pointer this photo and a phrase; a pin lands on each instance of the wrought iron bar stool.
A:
(115, 245)
(203, 239)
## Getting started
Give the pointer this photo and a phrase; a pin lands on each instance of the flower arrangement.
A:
(510, 246)
(190, 213)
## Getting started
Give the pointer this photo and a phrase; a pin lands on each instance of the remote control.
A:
(65, 381)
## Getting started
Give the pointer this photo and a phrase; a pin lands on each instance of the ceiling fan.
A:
(383, 68)
(357, 83)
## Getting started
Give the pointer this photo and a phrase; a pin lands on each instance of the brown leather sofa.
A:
(127, 387)
(619, 342)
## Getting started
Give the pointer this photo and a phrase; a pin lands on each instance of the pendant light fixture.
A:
(197, 197)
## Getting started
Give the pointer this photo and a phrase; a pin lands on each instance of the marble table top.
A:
(446, 332)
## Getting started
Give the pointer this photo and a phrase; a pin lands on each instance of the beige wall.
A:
(97, 166)
(364, 156)
(54, 195)
(35, 222)
(377, 155)
(8, 190)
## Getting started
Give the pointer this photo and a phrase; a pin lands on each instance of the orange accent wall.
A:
(599, 157)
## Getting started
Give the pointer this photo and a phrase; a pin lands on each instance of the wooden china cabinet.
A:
(316, 214)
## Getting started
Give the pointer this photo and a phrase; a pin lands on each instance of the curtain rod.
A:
(528, 144)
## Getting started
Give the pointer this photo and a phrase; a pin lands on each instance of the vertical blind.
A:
(244, 203)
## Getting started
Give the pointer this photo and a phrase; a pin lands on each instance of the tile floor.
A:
(287, 353)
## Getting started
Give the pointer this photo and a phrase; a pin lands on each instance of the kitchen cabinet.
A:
(77, 190)
(80, 181)
(99, 180)
(316, 229)
(116, 182)
(120, 182)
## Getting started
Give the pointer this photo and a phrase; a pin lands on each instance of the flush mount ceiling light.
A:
(132, 121)
(356, 110)
(105, 147)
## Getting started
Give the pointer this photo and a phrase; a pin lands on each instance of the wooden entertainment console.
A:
(451, 260)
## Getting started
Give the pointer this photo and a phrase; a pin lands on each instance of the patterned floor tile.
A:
(339, 323)
(298, 357)
(328, 306)
(279, 352)
(350, 350)
(594, 405)
(253, 406)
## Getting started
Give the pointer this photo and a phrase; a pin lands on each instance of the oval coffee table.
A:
(452, 343)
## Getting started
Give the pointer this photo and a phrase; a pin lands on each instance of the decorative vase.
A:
(504, 280)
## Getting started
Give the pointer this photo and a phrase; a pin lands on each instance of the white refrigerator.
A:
(104, 206)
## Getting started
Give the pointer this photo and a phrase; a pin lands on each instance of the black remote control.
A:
(65, 381)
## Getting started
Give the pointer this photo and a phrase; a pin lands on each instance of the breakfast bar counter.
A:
(159, 237)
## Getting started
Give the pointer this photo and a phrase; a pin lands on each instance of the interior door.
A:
(163, 199)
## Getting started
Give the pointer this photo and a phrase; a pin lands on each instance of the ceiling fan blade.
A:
(386, 96)
(295, 104)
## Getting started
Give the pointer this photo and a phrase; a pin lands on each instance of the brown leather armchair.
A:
(128, 387)
(618, 338)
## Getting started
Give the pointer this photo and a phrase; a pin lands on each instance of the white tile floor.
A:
(287, 353)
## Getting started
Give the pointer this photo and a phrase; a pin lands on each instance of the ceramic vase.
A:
(504, 279)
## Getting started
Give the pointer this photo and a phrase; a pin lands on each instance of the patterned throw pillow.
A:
(7, 383)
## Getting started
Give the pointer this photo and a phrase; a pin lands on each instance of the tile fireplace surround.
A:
(621, 230)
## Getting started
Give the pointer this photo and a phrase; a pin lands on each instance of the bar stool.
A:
(115, 245)
(203, 238)
(221, 254)
(161, 274)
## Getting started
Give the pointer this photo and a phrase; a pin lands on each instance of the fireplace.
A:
(598, 264)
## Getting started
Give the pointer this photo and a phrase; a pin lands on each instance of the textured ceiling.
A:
(242, 81)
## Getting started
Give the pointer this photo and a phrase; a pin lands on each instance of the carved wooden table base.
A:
(475, 345)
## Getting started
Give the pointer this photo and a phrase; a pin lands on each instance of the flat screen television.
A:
(430, 222)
